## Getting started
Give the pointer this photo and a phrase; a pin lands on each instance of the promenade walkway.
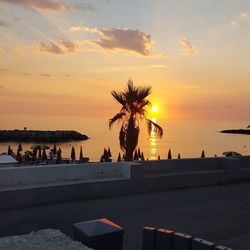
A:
(216, 213)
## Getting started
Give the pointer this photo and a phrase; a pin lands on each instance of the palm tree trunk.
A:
(132, 138)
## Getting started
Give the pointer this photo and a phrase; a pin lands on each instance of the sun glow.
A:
(154, 109)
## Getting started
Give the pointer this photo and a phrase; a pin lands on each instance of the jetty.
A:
(49, 136)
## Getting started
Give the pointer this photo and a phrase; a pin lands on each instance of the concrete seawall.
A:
(27, 186)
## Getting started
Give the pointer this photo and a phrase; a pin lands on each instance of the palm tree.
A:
(134, 104)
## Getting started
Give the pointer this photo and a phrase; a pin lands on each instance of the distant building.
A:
(7, 161)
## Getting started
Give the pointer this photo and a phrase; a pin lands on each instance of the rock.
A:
(237, 131)
(41, 136)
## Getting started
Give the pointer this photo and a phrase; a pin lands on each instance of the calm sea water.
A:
(188, 138)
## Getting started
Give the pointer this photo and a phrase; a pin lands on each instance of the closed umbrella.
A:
(119, 157)
(109, 152)
(73, 154)
(19, 157)
(136, 158)
(169, 154)
(20, 148)
(44, 155)
(203, 154)
(142, 156)
(81, 156)
(9, 150)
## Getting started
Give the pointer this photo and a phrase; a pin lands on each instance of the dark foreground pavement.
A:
(218, 213)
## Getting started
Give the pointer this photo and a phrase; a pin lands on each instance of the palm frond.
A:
(117, 117)
(119, 97)
(144, 92)
(158, 129)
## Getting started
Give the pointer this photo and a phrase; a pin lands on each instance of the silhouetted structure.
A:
(203, 154)
(169, 154)
(73, 154)
(119, 158)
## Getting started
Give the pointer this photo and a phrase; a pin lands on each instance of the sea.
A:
(185, 137)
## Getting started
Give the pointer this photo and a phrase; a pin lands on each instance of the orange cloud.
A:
(125, 39)
(188, 49)
(61, 47)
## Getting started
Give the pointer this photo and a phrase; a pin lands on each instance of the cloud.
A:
(44, 74)
(61, 47)
(1, 51)
(235, 24)
(124, 39)
(84, 7)
(4, 24)
(86, 29)
(188, 49)
(245, 15)
(158, 66)
(7, 13)
(51, 5)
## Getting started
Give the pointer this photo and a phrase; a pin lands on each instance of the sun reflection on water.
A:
(153, 141)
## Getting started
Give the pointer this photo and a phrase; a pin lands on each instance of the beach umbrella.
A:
(119, 157)
(142, 156)
(203, 154)
(39, 146)
(179, 156)
(232, 154)
(20, 148)
(169, 154)
(44, 155)
(73, 154)
(81, 156)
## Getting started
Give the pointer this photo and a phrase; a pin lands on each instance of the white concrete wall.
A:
(33, 175)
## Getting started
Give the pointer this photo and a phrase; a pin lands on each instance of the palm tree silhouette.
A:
(134, 104)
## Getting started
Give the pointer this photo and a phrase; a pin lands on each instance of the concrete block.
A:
(101, 234)
(222, 248)
(200, 244)
(148, 238)
(182, 241)
(164, 239)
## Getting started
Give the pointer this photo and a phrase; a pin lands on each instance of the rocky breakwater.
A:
(237, 131)
(40, 136)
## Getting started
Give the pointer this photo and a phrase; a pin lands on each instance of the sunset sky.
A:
(65, 57)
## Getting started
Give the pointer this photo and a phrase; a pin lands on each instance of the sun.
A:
(154, 109)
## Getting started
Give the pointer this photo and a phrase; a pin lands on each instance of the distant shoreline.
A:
(236, 131)
(50, 136)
